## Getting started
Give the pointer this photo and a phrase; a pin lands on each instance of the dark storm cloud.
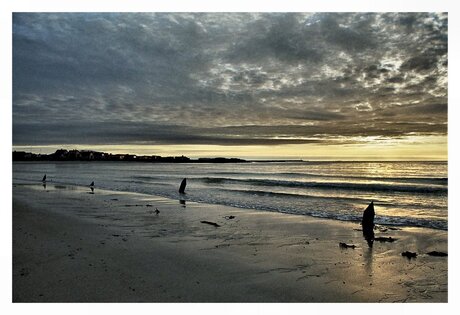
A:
(144, 133)
(227, 78)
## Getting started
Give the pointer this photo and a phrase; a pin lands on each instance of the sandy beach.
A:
(70, 245)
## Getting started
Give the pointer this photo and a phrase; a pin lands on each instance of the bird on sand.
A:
(92, 184)
(156, 211)
(44, 178)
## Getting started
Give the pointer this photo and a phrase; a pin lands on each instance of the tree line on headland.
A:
(87, 155)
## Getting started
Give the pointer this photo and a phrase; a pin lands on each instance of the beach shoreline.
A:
(70, 245)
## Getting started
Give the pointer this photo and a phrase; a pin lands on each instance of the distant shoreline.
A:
(250, 161)
(88, 155)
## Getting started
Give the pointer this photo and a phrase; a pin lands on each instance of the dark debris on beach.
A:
(345, 246)
(437, 254)
(409, 254)
(210, 223)
(385, 239)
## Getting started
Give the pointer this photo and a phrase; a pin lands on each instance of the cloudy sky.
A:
(316, 85)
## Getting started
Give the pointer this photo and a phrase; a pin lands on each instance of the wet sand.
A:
(73, 246)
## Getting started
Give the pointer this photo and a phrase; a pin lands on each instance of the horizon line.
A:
(267, 159)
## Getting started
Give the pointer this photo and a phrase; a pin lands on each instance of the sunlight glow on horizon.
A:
(408, 148)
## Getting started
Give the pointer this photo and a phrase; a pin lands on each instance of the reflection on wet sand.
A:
(368, 259)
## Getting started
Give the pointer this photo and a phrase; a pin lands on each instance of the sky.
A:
(252, 85)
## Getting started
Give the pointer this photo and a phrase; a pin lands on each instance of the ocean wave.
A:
(260, 204)
(263, 193)
(404, 182)
(334, 215)
(275, 194)
(330, 185)
(291, 190)
(407, 179)
(386, 220)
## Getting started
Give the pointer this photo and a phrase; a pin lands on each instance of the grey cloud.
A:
(395, 79)
(280, 36)
(316, 115)
(420, 63)
(202, 72)
(350, 37)
(427, 109)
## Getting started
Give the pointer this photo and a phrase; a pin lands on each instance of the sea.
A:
(404, 193)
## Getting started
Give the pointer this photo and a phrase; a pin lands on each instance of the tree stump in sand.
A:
(182, 186)
(368, 218)
(368, 224)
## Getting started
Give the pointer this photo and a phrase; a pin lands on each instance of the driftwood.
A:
(438, 254)
(344, 245)
(210, 223)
